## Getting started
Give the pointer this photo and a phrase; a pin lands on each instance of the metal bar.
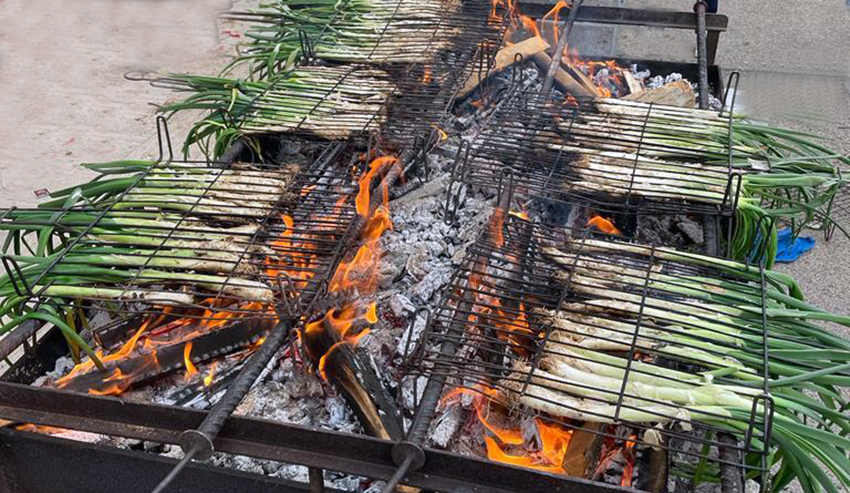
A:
(317, 480)
(98, 468)
(16, 338)
(629, 17)
(565, 30)
(352, 454)
(198, 442)
(702, 57)
(712, 40)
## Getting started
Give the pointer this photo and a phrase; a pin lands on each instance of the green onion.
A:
(685, 155)
(712, 324)
(328, 102)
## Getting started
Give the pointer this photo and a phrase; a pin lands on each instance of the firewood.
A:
(580, 77)
(351, 372)
(634, 86)
(563, 80)
(505, 58)
(585, 446)
(679, 93)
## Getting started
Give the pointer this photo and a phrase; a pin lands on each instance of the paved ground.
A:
(64, 97)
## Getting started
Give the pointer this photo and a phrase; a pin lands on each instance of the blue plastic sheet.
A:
(790, 249)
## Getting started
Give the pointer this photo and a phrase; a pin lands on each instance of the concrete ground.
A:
(65, 99)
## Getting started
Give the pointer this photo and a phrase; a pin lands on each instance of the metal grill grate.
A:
(389, 32)
(189, 238)
(576, 330)
(399, 102)
(574, 153)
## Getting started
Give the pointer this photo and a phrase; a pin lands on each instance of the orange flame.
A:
(191, 370)
(629, 469)
(360, 274)
(554, 439)
(365, 183)
(208, 378)
(121, 354)
(426, 76)
(553, 13)
(603, 225)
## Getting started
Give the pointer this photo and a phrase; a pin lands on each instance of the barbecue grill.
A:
(489, 338)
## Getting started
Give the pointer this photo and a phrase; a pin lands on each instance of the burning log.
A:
(506, 57)
(579, 76)
(633, 85)
(331, 346)
(584, 449)
(564, 80)
(135, 363)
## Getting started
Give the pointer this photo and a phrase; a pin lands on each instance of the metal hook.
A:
(10, 266)
(162, 131)
(453, 200)
(419, 347)
(307, 46)
(140, 76)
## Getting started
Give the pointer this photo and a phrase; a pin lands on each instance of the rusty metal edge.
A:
(348, 453)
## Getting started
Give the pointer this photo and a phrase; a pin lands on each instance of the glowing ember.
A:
(497, 222)
(44, 430)
(603, 225)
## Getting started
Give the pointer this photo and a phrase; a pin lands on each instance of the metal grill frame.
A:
(509, 142)
(322, 178)
(447, 334)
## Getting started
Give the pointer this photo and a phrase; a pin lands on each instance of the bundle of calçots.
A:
(349, 31)
(714, 324)
(785, 175)
(113, 239)
(332, 103)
